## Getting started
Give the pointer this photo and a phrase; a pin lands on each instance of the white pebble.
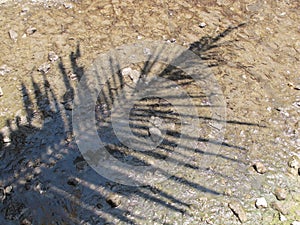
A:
(13, 35)
(261, 203)
(202, 25)
(295, 223)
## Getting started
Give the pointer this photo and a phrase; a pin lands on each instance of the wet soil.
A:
(251, 48)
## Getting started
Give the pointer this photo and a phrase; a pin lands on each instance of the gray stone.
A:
(155, 134)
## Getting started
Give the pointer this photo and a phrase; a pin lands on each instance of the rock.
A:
(6, 139)
(202, 25)
(72, 76)
(156, 121)
(2, 194)
(280, 194)
(72, 181)
(4, 69)
(30, 30)
(44, 68)
(25, 222)
(68, 5)
(238, 210)
(1, 92)
(282, 218)
(294, 162)
(280, 208)
(13, 35)
(261, 203)
(228, 192)
(155, 134)
(52, 56)
(113, 200)
(8, 189)
(25, 9)
(295, 223)
(260, 168)
(133, 74)
(80, 163)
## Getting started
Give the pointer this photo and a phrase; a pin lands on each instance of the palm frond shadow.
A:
(52, 183)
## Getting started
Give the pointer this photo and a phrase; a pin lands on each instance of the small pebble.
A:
(133, 74)
(25, 222)
(260, 168)
(13, 35)
(238, 210)
(24, 11)
(68, 5)
(31, 30)
(156, 121)
(261, 203)
(8, 189)
(280, 194)
(6, 140)
(295, 223)
(155, 134)
(113, 200)
(4, 69)
(44, 68)
(1, 92)
(282, 218)
(202, 25)
(52, 56)
(294, 162)
(72, 181)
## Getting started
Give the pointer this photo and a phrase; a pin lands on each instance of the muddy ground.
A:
(252, 50)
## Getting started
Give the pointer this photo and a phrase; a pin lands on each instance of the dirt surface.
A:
(252, 50)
